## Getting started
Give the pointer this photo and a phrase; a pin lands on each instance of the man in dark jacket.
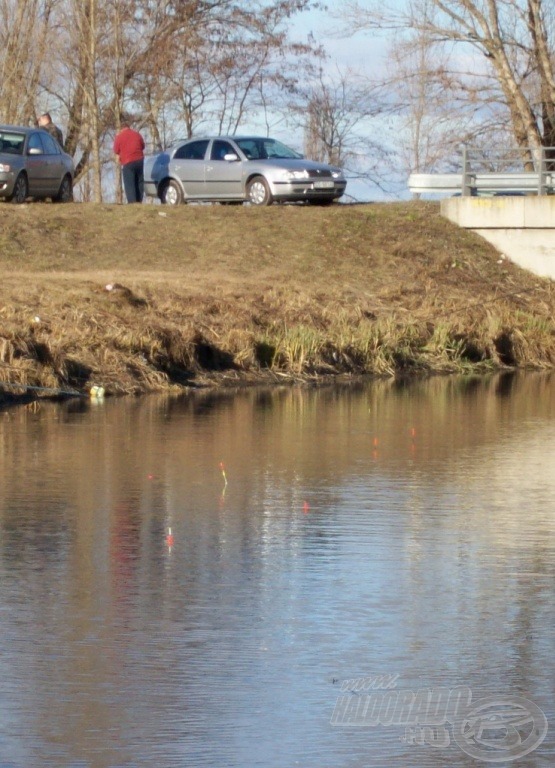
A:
(45, 121)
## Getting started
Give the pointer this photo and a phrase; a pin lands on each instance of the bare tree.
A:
(87, 32)
(340, 113)
(336, 106)
(24, 36)
(507, 46)
(227, 68)
(436, 110)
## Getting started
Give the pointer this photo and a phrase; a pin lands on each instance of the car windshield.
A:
(12, 143)
(264, 149)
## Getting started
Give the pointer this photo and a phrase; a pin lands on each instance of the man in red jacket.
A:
(129, 147)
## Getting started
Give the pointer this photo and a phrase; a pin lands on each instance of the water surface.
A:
(386, 529)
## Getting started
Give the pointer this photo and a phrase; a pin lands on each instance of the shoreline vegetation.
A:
(138, 299)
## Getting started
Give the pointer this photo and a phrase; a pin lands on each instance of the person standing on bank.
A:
(45, 121)
(129, 148)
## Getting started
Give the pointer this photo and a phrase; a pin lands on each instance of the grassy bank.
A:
(224, 294)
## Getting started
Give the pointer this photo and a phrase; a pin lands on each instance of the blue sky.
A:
(362, 51)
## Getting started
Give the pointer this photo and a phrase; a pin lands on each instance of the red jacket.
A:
(129, 146)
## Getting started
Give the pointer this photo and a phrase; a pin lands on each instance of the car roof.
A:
(19, 128)
(227, 137)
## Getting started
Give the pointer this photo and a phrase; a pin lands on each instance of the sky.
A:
(360, 51)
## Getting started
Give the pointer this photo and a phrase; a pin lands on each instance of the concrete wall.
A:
(522, 228)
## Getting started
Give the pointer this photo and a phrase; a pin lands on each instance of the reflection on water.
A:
(380, 529)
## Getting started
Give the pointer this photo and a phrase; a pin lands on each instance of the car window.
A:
(193, 150)
(50, 146)
(249, 148)
(220, 149)
(273, 148)
(260, 149)
(12, 143)
(35, 142)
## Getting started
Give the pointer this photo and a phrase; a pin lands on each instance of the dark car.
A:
(254, 169)
(32, 164)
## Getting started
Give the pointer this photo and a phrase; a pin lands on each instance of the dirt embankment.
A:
(143, 298)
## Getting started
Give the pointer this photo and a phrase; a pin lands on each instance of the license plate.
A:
(323, 185)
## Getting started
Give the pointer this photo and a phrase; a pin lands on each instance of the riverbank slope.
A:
(143, 298)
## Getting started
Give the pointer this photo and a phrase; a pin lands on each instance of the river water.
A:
(397, 536)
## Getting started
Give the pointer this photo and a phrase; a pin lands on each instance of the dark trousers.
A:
(133, 181)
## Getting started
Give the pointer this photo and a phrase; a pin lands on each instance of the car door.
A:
(36, 165)
(223, 177)
(54, 164)
(188, 165)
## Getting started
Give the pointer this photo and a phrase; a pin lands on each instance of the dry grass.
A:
(216, 294)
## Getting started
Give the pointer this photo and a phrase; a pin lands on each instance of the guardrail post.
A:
(466, 190)
(542, 173)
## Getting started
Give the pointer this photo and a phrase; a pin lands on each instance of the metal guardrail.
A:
(498, 173)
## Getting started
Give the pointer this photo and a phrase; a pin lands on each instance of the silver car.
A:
(32, 164)
(253, 169)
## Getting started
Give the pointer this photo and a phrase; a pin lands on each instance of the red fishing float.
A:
(169, 538)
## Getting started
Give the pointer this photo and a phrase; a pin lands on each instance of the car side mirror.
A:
(35, 151)
(231, 157)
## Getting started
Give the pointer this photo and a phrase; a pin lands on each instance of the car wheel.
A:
(171, 193)
(258, 191)
(65, 194)
(20, 190)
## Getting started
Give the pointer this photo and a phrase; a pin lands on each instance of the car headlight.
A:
(4, 168)
(295, 175)
(337, 174)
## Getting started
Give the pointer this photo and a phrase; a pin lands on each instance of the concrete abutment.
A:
(521, 228)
